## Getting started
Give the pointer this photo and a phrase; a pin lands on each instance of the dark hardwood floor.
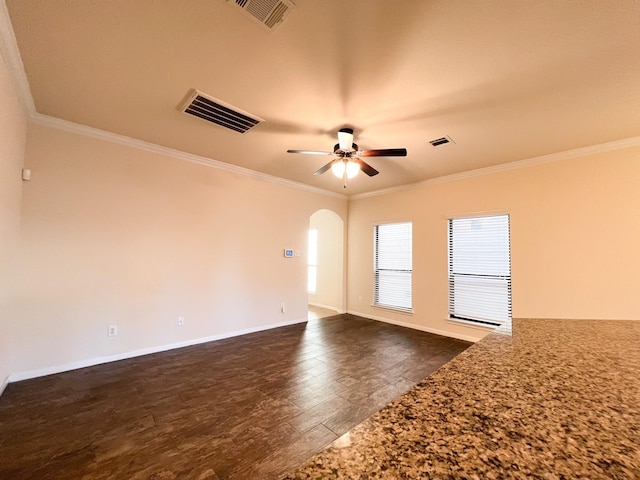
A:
(250, 407)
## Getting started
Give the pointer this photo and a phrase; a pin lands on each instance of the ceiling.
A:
(506, 80)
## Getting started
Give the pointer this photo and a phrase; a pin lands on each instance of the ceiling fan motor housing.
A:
(339, 151)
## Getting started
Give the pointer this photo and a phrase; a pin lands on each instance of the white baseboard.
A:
(327, 307)
(41, 372)
(444, 333)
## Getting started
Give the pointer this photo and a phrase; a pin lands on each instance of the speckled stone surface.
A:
(557, 399)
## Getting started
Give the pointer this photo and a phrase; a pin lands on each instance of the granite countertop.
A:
(556, 399)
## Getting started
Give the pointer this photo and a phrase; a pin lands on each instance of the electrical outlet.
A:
(282, 308)
(112, 331)
(180, 321)
(360, 299)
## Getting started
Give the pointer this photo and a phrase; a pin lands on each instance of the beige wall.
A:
(331, 246)
(116, 235)
(111, 234)
(575, 230)
(13, 127)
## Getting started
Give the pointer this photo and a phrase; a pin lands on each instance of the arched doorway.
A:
(326, 261)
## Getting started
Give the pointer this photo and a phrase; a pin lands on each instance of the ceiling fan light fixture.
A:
(352, 169)
(338, 168)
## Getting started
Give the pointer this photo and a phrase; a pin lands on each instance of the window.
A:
(312, 262)
(392, 265)
(480, 269)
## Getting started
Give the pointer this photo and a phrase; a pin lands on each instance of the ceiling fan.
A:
(348, 162)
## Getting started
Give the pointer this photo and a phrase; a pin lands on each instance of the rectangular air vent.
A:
(208, 108)
(439, 142)
(270, 13)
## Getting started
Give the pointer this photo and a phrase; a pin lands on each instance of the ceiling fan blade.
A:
(385, 152)
(320, 171)
(310, 152)
(365, 167)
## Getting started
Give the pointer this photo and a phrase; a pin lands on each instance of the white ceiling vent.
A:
(270, 13)
(439, 142)
(212, 110)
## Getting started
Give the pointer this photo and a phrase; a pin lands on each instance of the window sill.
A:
(394, 309)
(472, 324)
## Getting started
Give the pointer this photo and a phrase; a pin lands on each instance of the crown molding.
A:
(529, 162)
(57, 123)
(11, 55)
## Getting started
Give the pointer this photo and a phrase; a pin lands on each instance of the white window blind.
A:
(480, 269)
(312, 262)
(393, 265)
